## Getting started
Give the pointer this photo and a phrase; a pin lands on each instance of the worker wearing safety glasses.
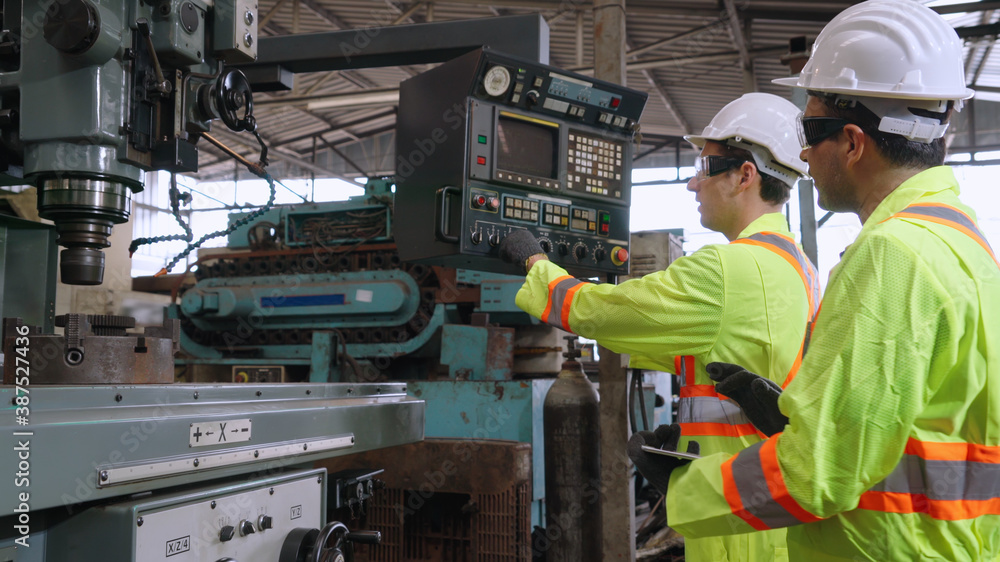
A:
(886, 446)
(742, 302)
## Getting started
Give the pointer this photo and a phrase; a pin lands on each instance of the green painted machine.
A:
(107, 457)
(92, 94)
(319, 290)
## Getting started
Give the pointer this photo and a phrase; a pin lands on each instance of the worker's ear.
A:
(747, 174)
(855, 141)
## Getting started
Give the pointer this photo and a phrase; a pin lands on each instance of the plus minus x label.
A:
(219, 432)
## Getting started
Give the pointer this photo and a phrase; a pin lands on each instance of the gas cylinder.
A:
(572, 466)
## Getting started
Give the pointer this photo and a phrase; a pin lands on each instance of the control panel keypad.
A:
(555, 215)
(520, 209)
(595, 165)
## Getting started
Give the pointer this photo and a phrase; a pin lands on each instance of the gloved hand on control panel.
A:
(518, 246)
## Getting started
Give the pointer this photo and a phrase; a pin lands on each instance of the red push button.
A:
(619, 255)
(481, 160)
(494, 203)
(478, 200)
(615, 102)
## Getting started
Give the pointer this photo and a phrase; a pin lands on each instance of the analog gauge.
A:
(497, 81)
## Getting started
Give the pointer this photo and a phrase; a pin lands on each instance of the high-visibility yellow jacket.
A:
(743, 302)
(892, 451)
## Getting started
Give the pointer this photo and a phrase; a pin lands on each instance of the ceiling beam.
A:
(819, 12)
(661, 90)
(723, 56)
(740, 42)
(672, 39)
(342, 127)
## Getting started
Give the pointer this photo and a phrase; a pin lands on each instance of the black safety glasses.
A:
(813, 130)
(708, 166)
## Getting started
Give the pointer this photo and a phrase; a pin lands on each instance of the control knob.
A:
(227, 533)
(580, 251)
(563, 248)
(531, 98)
(477, 237)
(546, 244)
(265, 522)
(494, 239)
(599, 254)
(246, 528)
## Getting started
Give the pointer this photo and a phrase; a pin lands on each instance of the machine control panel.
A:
(488, 143)
(580, 234)
(247, 526)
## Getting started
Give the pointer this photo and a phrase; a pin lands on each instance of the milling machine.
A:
(106, 457)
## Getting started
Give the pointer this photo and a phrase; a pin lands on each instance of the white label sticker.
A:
(364, 295)
(219, 432)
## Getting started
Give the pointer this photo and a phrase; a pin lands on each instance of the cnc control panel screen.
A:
(525, 147)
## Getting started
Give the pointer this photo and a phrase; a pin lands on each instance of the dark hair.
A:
(895, 148)
(772, 189)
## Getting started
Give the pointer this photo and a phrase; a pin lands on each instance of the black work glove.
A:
(757, 396)
(657, 468)
(518, 246)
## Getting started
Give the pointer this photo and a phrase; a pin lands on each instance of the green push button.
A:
(482, 139)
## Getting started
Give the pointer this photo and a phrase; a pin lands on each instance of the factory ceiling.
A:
(691, 56)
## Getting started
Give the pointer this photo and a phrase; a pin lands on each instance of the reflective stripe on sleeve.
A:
(946, 481)
(755, 488)
(561, 292)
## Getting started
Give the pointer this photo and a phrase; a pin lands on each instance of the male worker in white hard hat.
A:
(886, 446)
(739, 302)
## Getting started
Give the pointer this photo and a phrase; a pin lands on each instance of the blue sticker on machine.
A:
(303, 300)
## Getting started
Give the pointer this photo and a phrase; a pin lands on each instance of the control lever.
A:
(162, 85)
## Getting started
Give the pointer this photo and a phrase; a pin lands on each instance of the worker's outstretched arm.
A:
(678, 311)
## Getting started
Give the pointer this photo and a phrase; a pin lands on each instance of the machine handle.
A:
(365, 537)
(443, 214)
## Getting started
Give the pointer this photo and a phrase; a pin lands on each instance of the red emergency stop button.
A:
(478, 200)
(619, 255)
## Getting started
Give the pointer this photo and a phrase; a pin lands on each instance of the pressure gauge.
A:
(497, 81)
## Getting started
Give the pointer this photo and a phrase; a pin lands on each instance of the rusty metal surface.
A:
(80, 356)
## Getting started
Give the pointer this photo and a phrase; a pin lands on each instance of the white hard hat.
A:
(896, 49)
(763, 124)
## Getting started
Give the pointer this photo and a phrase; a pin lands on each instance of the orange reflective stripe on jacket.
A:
(946, 481)
(755, 488)
(786, 248)
(561, 293)
(722, 421)
(701, 411)
(948, 216)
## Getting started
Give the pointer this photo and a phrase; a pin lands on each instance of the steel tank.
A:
(572, 467)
